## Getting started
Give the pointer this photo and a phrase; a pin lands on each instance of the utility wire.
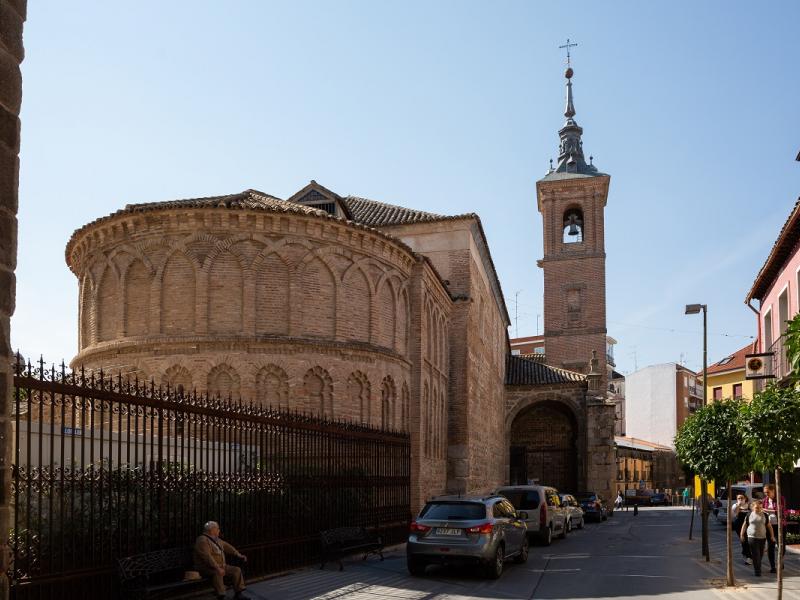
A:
(639, 325)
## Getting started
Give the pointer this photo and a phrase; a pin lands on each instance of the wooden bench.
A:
(343, 541)
(158, 573)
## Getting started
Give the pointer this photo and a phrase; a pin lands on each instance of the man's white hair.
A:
(210, 525)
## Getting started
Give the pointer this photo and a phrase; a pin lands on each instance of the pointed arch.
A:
(388, 397)
(405, 401)
(108, 305)
(179, 379)
(356, 305)
(225, 293)
(178, 293)
(386, 311)
(87, 312)
(403, 320)
(272, 387)
(318, 297)
(426, 411)
(272, 295)
(223, 382)
(138, 282)
(318, 387)
(359, 396)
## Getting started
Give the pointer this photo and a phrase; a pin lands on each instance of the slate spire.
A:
(570, 151)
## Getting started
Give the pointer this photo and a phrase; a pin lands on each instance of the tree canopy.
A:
(711, 444)
(770, 426)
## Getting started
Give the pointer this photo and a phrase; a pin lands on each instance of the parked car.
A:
(594, 506)
(575, 516)
(476, 530)
(546, 517)
(751, 491)
(660, 499)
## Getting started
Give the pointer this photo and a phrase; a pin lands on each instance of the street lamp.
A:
(693, 309)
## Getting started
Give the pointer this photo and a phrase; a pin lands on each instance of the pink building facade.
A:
(775, 295)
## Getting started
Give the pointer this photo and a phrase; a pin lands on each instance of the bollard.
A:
(635, 509)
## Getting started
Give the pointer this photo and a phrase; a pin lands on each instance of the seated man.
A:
(209, 560)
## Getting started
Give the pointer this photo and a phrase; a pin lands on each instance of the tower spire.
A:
(570, 152)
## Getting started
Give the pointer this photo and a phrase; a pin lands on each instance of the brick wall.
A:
(273, 309)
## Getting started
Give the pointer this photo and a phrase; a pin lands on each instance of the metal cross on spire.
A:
(568, 45)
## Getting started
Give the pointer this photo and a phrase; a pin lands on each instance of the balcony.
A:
(696, 391)
(780, 364)
(610, 360)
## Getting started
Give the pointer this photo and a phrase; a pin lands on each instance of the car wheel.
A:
(416, 566)
(603, 517)
(547, 536)
(569, 525)
(495, 568)
(522, 557)
(580, 524)
(563, 533)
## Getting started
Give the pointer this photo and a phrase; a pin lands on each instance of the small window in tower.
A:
(573, 226)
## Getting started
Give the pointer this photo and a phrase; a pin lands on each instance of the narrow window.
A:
(717, 393)
(737, 390)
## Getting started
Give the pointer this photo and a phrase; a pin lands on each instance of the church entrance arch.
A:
(543, 440)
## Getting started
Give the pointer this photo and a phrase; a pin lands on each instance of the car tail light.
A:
(417, 528)
(482, 528)
(543, 515)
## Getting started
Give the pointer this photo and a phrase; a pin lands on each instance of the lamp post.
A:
(693, 309)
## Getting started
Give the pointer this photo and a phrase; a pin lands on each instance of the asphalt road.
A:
(624, 557)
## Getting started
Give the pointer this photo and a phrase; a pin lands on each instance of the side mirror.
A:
(522, 515)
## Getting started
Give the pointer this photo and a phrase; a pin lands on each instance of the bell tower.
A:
(571, 198)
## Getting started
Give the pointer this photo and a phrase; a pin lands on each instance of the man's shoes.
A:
(747, 561)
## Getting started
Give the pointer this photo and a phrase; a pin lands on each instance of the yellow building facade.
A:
(726, 378)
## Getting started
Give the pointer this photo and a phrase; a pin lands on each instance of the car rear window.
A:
(522, 499)
(454, 511)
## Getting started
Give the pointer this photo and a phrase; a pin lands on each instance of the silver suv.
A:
(467, 529)
(546, 517)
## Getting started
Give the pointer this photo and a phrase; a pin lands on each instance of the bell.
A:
(573, 229)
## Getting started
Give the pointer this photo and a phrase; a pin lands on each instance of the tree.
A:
(770, 426)
(792, 345)
(711, 444)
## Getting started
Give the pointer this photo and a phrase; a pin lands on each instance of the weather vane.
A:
(568, 45)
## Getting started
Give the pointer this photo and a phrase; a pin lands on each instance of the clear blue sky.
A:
(450, 107)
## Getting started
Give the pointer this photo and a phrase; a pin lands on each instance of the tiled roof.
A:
(380, 214)
(539, 357)
(250, 199)
(732, 362)
(782, 250)
(523, 371)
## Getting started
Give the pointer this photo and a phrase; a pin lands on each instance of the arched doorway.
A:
(543, 442)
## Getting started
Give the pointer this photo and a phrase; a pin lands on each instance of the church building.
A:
(359, 310)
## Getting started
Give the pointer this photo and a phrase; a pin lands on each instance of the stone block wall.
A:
(12, 17)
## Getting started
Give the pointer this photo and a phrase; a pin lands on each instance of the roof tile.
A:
(524, 371)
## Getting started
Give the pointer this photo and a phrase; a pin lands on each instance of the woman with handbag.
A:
(771, 508)
(755, 530)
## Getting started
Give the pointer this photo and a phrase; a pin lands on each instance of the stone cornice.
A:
(254, 346)
(109, 232)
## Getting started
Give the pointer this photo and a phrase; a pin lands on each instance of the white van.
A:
(751, 491)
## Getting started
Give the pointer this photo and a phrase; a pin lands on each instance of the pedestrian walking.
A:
(756, 529)
(771, 508)
(686, 496)
(618, 502)
(739, 511)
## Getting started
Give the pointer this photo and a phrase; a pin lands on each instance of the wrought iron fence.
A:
(106, 467)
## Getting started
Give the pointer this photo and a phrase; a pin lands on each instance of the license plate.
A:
(446, 531)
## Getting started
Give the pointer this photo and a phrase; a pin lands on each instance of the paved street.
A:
(627, 556)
